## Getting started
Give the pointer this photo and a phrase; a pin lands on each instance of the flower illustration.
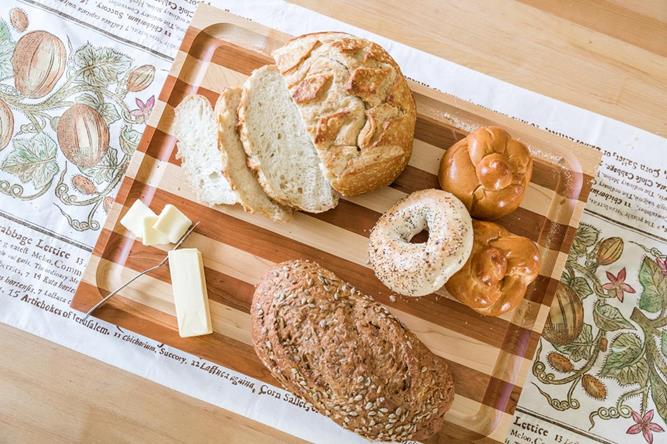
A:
(617, 286)
(644, 425)
(662, 263)
(143, 109)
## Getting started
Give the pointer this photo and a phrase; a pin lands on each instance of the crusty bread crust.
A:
(242, 180)
(357, 107)
(347, 355)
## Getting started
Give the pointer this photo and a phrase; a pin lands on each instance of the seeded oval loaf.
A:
(347, 355)
(356, 105)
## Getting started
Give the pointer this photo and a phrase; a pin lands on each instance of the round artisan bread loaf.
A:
(497, 274)
(347, 355)
(356, 105)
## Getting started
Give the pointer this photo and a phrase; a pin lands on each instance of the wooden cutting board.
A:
(489, 357)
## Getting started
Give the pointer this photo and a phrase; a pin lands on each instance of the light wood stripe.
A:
(309, 230)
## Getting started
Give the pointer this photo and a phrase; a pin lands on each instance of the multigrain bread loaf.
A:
(278, 148)
(195, 129)
(249, 192)
(347, 355)
(356, 106)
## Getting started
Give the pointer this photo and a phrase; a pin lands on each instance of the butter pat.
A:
(173, 223)
(151, 235)
(190, 296)
(134, 218)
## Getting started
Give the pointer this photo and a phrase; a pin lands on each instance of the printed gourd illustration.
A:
(65, 124)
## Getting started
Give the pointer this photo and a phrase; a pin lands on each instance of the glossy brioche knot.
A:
(498, 272)
(488, 170)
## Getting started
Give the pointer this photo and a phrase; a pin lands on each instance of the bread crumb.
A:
(392, 298)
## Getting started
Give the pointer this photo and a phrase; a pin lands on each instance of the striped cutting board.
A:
(489, 357)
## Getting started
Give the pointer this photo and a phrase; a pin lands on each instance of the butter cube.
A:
(134, 218)
(190, 297)
(173, 223)
(151, 235)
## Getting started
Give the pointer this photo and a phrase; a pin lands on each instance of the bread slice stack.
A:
(333, 117)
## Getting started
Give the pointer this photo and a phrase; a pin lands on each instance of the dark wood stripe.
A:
(238, 294)
(276, 248)
(360, 220)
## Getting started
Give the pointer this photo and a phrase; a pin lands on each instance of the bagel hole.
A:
(420, 238)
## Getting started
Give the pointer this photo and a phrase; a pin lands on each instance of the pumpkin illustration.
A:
(566, 317)
(610, 250)
(39, 61)
(83, 135)
(6, 124)
(18, 19)
(140, 78)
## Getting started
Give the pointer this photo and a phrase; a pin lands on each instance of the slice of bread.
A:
(279, 149)
(196, 129)
(249, 192)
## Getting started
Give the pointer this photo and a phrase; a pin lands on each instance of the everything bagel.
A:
(420, 269)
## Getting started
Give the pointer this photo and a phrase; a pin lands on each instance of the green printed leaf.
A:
(659, 394)
(129, 140)
(105, 169)
(88, 99)
(109, 112)
(32, 160)
(6, 52)
(654, 285)
(5, 34)
(581, 287)
(608, 317)
(626, 363)
(580, 348)
(100, 66)
(584, 239)
(663, 343)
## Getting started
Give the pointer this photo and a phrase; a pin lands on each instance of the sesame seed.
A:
(358, 398)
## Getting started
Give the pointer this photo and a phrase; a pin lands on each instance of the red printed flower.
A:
(644, 425)
(143, 109)
(617, 286)
(662, 264)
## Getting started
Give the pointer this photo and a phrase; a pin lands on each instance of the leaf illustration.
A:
(88, 99)
(581, 287)
(626, 363)
(659, 394)
(608, 317)
(4, 31)
(32, 160)
(129, 140)
(105, 169)
(663, 343)
(580, 348)
(109, 113)
(586, 237)
(654, 284)
(6, 52)
(100, 66)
